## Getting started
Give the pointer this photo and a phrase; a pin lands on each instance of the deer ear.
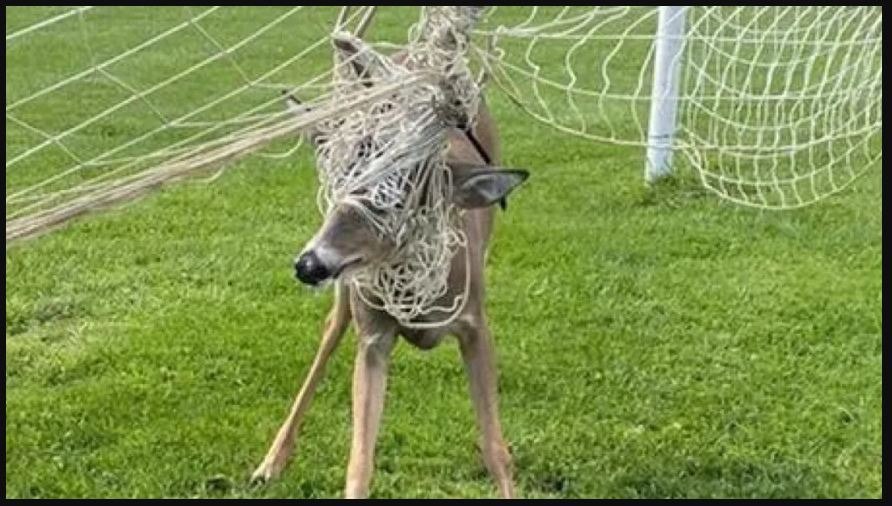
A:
(483, 186)
(366, 63)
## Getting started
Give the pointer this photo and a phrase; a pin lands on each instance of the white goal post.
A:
(664, 96)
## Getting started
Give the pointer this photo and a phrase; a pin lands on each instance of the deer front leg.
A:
(477, 352)
(283, 445)
(369, 385)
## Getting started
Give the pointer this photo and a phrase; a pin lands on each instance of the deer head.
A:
(382, 173)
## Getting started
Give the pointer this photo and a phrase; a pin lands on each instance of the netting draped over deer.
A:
(387, 161)
(778, 106)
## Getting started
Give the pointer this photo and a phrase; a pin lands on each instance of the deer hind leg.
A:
(477, 352)
(283, 445)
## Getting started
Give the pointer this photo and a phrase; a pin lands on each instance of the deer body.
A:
(339, 246)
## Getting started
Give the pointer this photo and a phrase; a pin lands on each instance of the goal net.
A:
(96, 115)
(777, 107)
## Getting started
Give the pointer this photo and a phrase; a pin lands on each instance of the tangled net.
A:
(387, 160)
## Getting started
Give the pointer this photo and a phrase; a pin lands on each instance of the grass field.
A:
(651, 342)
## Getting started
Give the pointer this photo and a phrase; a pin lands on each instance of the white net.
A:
(778, 106)
(387, 161)
(96, 114)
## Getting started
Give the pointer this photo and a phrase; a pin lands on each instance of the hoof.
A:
(264, 474)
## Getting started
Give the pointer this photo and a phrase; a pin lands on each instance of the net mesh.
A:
(106, 115)
(778, 106)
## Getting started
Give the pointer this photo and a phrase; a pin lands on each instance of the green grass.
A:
(651, 343)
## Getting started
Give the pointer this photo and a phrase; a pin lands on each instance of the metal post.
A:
(664, 96)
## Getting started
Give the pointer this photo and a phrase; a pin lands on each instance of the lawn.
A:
(652, 342)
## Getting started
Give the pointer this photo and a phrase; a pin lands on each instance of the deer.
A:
(344, 243)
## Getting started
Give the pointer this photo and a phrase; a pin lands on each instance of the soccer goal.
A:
(774, 107)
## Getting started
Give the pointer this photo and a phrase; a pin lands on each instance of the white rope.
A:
(46, 22)
(792, 142)
(150, 90)
(107, 63)
(217, 152)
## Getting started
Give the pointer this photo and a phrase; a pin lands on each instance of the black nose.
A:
(309, 269)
